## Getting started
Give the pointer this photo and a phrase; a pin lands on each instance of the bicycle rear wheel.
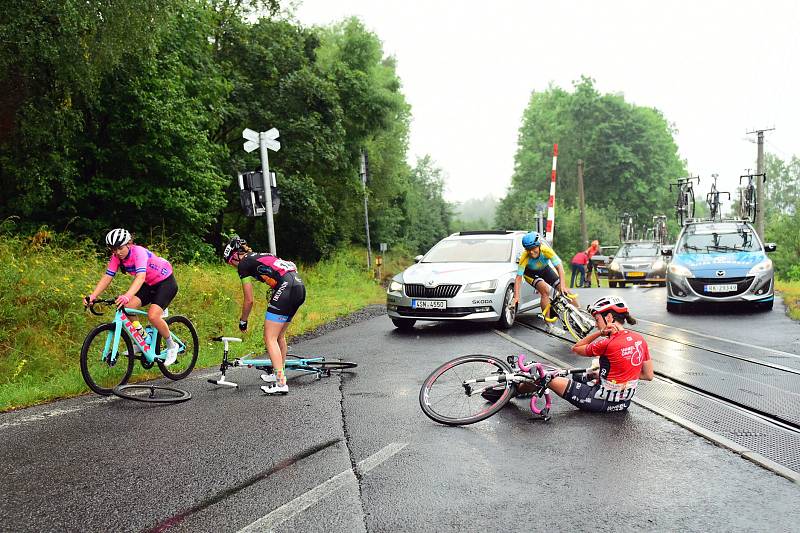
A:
(326, 367)
(182, 328)
(142, 392)
(98, 371)
(447, 398)
(690, 203)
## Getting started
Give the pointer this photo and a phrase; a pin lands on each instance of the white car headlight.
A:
(760, 268)
(482, 286)
(394, 286)
(614, 265)
(679, 270)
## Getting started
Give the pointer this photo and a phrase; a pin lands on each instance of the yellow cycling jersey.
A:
(546, 257)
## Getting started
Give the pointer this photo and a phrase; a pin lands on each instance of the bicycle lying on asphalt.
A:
(317, 366)
(107, 356)
(454, 393)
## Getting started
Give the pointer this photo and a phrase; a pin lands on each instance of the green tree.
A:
(629, 155)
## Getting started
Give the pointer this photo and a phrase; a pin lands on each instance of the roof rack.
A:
(729, 220)
(486, 232)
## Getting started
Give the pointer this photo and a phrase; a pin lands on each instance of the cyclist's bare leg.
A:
(544, 290)
(272, 332)
(155, 316)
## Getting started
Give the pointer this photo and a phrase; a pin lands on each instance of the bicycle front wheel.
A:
(98, 370)
(466, 390)
(579, 323)
(183, 331)
(331, 366)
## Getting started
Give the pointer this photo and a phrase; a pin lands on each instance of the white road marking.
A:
(50, 414)
(779, 352)
(339, 481)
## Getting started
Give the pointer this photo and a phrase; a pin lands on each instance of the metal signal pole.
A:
(582, 205)
(366, 210)
(760, 179)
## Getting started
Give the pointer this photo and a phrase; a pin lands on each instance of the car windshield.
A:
(471, 251)
(639, 249)
(714, 243)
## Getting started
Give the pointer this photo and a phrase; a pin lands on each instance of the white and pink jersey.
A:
(140, 259)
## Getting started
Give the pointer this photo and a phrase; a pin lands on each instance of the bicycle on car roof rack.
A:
(684, 205)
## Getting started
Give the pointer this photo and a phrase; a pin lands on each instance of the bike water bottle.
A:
(139, 329)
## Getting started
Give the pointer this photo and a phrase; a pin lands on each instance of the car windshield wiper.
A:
(724, 248)
(692, 247)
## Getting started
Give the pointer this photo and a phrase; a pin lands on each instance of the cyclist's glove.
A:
(243, 325)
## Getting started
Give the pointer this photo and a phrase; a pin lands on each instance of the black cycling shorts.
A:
(161, 294)
(596, 398)
(286, 298)
(547, 274)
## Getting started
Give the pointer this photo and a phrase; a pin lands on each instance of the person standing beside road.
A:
(288, 294)
(591, 251)
(578, 264)
(624, 360)
(538, 265)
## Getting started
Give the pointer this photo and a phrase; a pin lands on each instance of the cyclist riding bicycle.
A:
(288, 294)
(538, 265)
(624, 360)
(153, 283)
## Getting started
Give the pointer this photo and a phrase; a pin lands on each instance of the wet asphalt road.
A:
(229, 458)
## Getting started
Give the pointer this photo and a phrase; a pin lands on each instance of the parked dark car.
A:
(602, 259)
(638, 262)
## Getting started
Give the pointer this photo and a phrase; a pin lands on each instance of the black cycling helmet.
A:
(235, 244)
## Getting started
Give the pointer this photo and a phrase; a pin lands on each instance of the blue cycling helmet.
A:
(531, 239)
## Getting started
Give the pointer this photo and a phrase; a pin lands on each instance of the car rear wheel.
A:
(612, 284)
(508, 313)
(404, 324)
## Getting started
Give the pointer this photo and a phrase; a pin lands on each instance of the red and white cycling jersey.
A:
(621, 358)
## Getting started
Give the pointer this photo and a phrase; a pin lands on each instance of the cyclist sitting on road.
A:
(288, 294)
(624, 360)
(538, 265)
(153, 283)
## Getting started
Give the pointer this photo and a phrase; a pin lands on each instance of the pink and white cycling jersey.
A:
(140, 259)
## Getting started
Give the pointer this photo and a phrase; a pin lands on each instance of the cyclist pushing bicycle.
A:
(539, 264)
(288, 294)
(153, 283)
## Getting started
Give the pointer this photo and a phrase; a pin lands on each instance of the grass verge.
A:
(43, 324)
(790, 292)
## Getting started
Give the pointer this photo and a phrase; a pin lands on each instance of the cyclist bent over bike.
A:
(288, 294)
(624, 360)
(539, 264)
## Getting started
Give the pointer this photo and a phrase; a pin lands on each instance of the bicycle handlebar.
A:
(101, 302)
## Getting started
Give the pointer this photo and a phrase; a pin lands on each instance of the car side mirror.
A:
(770, 247)
(418, 259)
(667, 252)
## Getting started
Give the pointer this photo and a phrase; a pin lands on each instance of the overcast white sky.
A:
(716, 69)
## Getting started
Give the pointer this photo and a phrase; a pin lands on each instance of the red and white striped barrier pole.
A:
(551, 204)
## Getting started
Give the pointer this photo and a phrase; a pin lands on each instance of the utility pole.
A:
(760, 182)
(582, 205)
(366, 211)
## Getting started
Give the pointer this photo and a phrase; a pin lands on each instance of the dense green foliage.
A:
(782, 215)
(629, 157)
(131, 114)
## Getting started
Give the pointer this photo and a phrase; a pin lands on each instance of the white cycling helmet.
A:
(608, 303)
(117, 237)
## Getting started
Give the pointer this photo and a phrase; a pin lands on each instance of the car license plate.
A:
(635, 274)
(726, 287)
(428, 304)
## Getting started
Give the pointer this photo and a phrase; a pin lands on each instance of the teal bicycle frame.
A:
(308, 365)
(122, 322)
